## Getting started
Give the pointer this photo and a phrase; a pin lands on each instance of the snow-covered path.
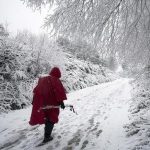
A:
(102, 113)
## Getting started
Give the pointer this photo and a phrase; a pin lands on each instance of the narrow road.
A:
(102, 113)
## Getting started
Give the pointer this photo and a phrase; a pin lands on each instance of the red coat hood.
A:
(55, 72)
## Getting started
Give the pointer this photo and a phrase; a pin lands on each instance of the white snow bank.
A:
(138, 129)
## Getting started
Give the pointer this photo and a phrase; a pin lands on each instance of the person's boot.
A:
(48, 130)
(47, 139)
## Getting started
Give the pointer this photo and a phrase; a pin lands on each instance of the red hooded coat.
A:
(49, 91)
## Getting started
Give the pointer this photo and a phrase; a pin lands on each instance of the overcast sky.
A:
(19, 17)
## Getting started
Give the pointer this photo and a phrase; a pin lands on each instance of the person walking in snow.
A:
(48, 92)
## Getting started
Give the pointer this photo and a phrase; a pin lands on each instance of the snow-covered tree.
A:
(80, 48)
(113, 25)
(9, 65)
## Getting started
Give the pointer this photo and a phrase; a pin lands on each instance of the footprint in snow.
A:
(98, 133)
(75, 141)
(84, 144)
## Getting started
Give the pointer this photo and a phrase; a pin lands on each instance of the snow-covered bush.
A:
(12, 75)
(139, 125)
(80, 74)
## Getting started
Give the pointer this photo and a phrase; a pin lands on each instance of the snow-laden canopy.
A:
(112, 25)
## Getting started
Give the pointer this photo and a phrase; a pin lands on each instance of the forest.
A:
(93, 42)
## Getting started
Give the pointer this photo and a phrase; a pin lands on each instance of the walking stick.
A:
(52, 106)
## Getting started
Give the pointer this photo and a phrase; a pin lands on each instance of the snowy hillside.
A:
(102, 113)
(80, 74)
(24, 57)
(76, 74)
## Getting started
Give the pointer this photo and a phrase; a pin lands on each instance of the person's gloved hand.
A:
(62, 105)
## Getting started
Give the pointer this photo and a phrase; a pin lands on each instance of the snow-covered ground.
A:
(102, 113)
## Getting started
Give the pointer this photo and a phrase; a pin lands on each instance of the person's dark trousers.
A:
(47, 131)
